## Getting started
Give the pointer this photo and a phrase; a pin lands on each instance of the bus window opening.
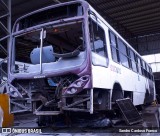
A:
(59, 43)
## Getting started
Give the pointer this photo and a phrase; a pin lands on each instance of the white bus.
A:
(128, 74)
(76, 62)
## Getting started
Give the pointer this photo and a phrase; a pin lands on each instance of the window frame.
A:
(139, 63)
(133, 60)
(114, 47)
(91, 21)
(122, 53)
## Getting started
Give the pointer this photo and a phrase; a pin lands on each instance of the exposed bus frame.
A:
(87, 69)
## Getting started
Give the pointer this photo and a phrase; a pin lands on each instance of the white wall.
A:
(154, 61)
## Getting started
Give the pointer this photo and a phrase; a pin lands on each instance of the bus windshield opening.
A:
(59, 47)
(48, 15)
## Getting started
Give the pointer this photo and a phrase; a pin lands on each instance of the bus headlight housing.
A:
(12, 91)
(77, 85)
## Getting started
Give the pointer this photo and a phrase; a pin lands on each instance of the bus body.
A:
(74, 61)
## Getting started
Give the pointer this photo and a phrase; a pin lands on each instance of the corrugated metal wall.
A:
(149, 44)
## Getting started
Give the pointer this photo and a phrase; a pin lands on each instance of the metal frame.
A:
(6, 29)
(64, 107)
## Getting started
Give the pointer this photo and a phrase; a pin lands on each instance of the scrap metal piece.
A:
(129, 111)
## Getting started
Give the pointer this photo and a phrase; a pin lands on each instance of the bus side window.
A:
(98, 45)
(133, 61)
(114, 48)
(149, 72)
(123, 53)
(144, 69)
(136, 60)
(143, 66)
(146, 73)
(152, 77)
(141, 61)
(139, 65)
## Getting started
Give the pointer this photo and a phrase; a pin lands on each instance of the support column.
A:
(5, 35)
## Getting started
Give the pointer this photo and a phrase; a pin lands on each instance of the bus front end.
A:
(49, 61)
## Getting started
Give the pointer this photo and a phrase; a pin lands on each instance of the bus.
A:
(74, 61)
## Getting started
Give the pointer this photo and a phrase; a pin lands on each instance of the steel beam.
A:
(5, 28)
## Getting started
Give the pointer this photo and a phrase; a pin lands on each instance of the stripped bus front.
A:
(73, 61)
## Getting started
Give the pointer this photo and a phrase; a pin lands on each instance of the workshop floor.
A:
(29, 120)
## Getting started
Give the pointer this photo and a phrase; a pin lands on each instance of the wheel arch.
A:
(117, 92)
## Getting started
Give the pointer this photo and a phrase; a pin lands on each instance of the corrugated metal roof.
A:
(140, 17)
(131, 18)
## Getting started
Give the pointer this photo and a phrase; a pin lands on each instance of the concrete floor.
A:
(29, 120)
